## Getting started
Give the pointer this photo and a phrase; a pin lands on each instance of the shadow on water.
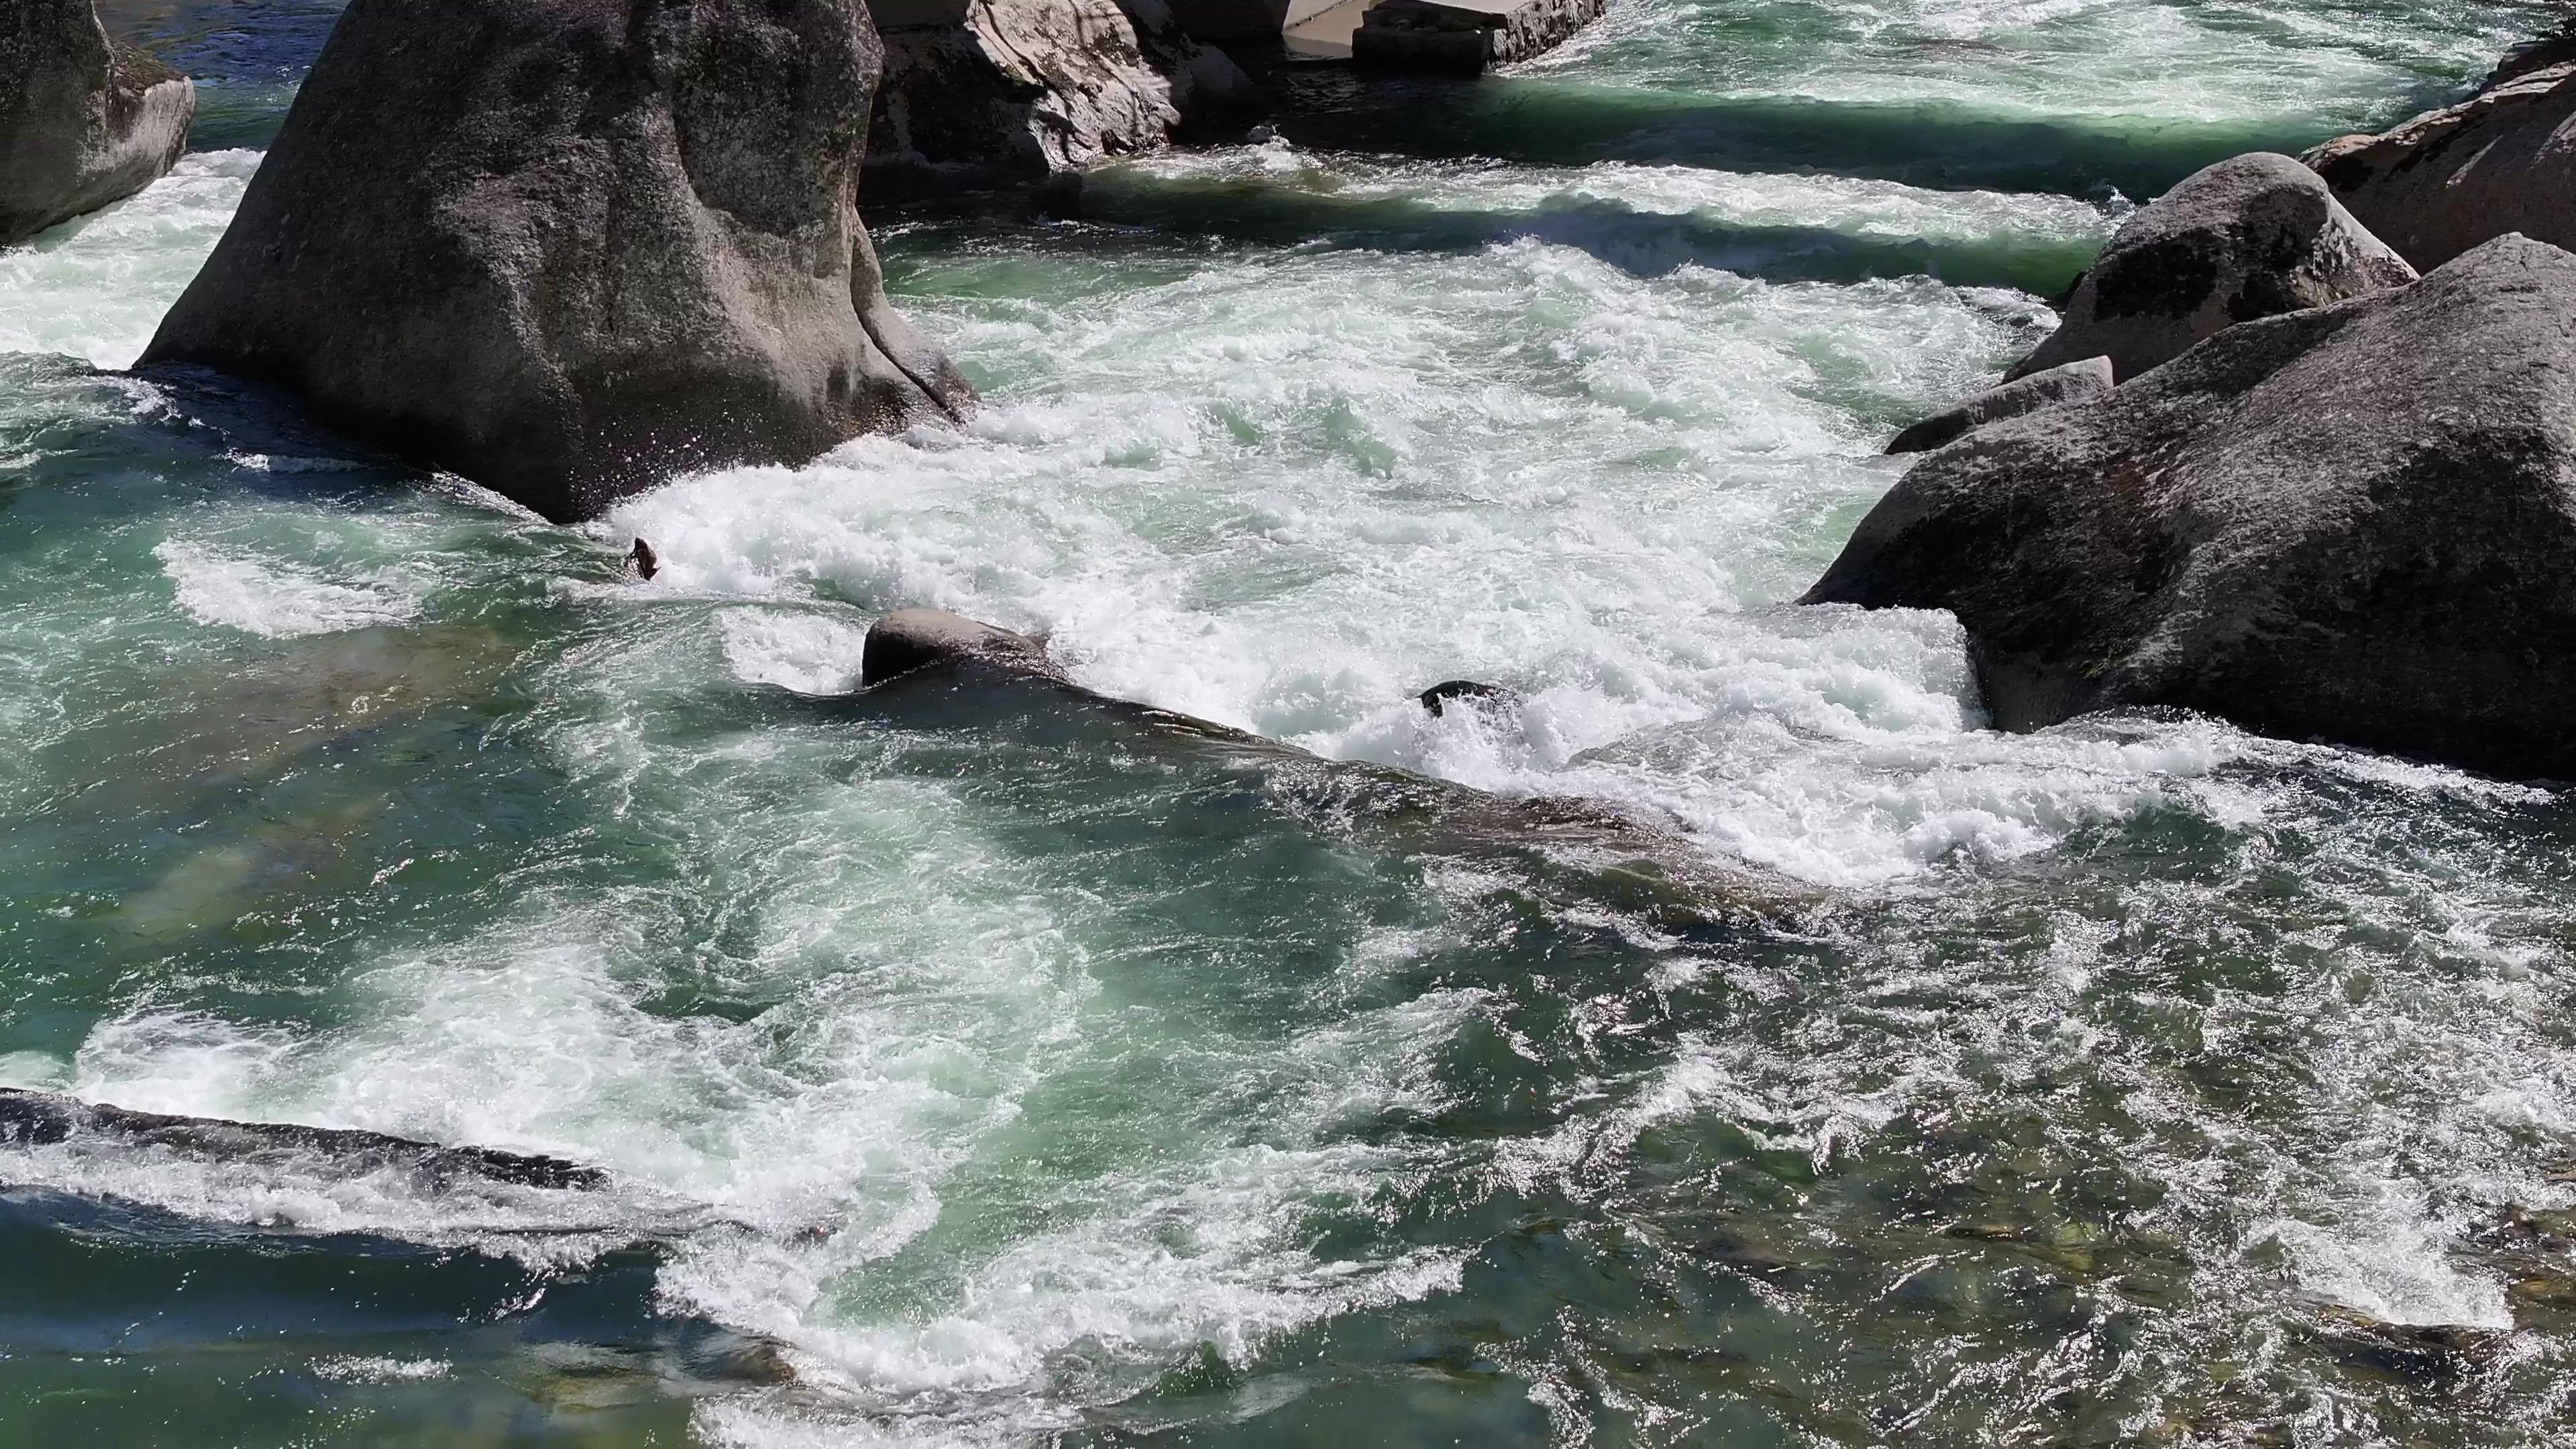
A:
(1642, 243)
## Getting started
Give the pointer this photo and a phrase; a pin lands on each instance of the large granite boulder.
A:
(2249, 237)
(85, 120)
(2356, 523)
(981, 93)
(569, 248)
(2502, 160)
(2066, 383)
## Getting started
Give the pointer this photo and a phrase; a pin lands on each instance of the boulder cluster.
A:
(2266, 470)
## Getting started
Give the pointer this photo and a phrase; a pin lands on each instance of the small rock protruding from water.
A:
(1468, 693)
(572, 250)
(910, 639)
(2072, 382)
(85, 120)
(2248, 237)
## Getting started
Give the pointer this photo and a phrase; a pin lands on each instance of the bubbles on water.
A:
(240, 590)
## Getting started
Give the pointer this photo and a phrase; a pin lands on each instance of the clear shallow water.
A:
(1009, 1074)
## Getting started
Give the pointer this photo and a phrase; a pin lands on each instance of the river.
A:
(983, 1075)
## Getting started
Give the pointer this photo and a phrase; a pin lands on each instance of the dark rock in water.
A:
(1389, 808)
(84, 120)
(2066, 383)
(2249, 237)
(910, 639)
(569, 248)
(1468, 692)
(978, 94)
(41, 1119)
(2355, 523)
(2503, 160)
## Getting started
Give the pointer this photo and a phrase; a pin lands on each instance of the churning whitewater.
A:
(980, 1073)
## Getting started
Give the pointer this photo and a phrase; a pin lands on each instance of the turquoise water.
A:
(977, 1069)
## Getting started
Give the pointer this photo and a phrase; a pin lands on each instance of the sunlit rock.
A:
(572, 249)
(85, 120)
(2066, 383)
(982, 93)
(2249, 237)
(2503, 160)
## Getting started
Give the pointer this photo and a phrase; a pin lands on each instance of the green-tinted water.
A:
(975, 1067)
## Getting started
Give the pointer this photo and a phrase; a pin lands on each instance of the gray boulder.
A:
(2355, 523)
(2502, 160)
(911, 639)
(85, 120)
(570, 248)
(2065, 383)
(2249, 237)
(978, 93)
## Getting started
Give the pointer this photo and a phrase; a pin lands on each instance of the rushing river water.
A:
(974, 1072)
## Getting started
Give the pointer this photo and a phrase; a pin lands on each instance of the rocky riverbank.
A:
(2326, 499)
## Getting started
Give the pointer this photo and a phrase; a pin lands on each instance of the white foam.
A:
(238, 589)
(811, 653)
(97, 287)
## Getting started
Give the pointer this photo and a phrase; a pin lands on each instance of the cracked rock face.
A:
(570, 248)
(2353, 523)
(85, 121)
(2252, 236)
(1022, 90)
(2503, 160)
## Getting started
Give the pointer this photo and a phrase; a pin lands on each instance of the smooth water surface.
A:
(976, 1067)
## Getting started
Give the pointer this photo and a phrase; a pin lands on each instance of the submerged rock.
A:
(980, 93)
(41, 1119)
(2065, 383)
(1616, 855)
(2503, 160)
(85, 120)
(569, 248)
(2354, 523)
(2249, 237)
